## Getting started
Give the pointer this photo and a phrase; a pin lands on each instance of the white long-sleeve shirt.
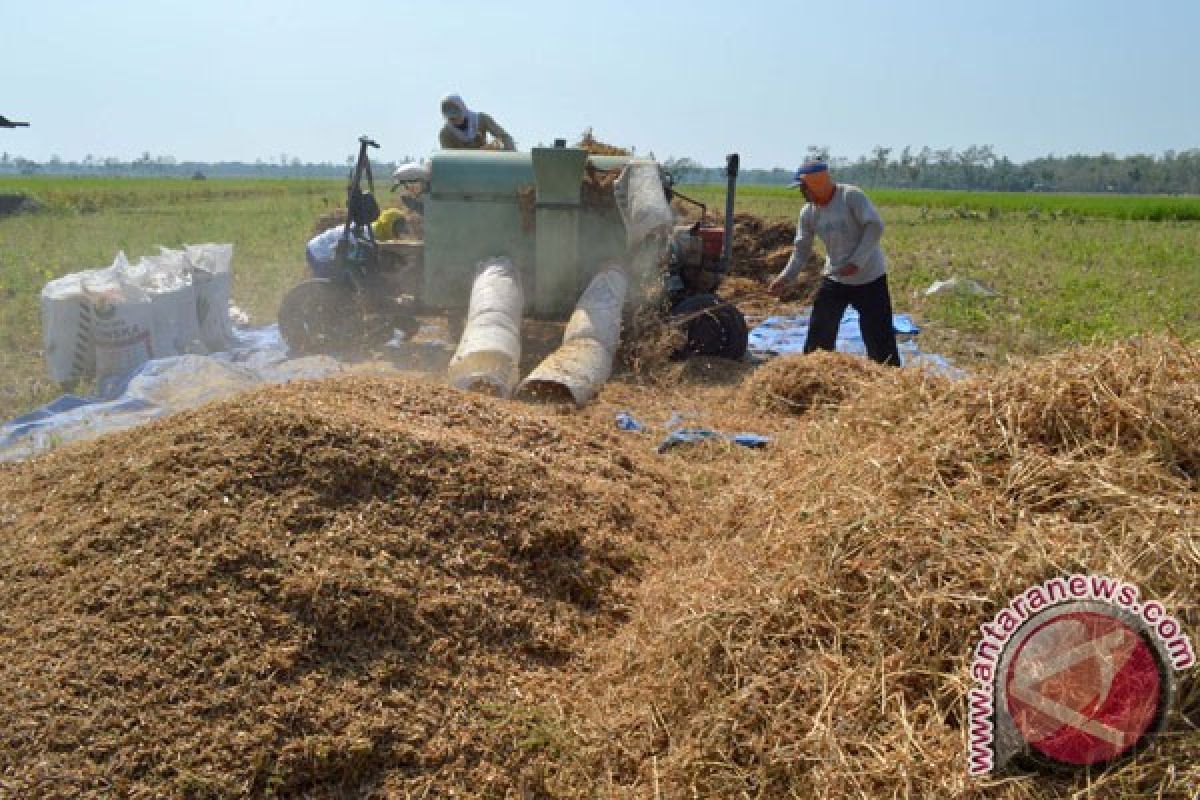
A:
(850, 228)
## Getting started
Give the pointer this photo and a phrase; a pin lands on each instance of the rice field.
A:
(1156, 208)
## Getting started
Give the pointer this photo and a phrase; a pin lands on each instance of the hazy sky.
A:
(224, 80)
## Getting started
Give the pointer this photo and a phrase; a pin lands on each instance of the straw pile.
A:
(362, 586)
(761, 246)
(596, 192)
(814, 642)
(589, 142)
(313, 590)
(797, 383)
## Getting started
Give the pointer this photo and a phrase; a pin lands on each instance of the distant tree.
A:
(879, 159)
(684, 170)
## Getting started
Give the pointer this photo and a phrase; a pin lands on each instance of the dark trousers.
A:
(874, 306)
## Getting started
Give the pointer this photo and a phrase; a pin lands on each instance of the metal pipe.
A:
(731, 170)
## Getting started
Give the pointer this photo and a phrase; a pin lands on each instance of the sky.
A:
(213, 80)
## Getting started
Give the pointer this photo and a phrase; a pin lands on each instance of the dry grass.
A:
(798, 383)
(812, 641)
(589, 142)
(316, 589)
(375, 586)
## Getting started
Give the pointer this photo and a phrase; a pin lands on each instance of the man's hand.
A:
(778, 286)
(848, 270)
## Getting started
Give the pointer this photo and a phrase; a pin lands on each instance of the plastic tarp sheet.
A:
(678, 435)
(783, 335)
(159, 387)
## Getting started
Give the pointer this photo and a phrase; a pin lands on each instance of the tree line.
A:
(979, 168)
(166, 166)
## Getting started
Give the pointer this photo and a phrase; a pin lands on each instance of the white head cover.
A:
(411, 172)
(454, 102)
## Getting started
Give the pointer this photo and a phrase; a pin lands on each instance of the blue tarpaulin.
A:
(677, 434)
(160, 387)
(782, 335)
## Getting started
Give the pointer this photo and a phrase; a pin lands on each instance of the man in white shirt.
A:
(855, 270)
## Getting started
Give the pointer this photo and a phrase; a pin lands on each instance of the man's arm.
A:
(805, 236)
(489, 125)
(864, 210)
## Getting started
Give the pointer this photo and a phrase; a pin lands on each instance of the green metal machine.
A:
(473, 211)
(552, 211)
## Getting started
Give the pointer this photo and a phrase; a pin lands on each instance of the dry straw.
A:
(813, 641)
(370, 586)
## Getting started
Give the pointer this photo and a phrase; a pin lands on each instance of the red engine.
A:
(714, 241)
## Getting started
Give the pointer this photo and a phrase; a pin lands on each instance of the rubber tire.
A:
(713, 328)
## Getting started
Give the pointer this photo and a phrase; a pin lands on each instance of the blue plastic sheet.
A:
(627, 422)
(679, 435)
(783, 335)
(160, 387)
(685, 436)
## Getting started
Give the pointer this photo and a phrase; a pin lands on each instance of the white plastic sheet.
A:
(159, 387)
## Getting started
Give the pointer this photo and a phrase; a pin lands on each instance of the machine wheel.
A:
(319, 316)
(713, 327)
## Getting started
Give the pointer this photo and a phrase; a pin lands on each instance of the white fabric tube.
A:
(578, 369)
(642, 202)
(489, 351)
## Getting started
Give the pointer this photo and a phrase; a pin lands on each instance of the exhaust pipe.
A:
(732, 161)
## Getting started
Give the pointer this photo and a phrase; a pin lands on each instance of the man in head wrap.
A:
(855, 271)
(468, 130)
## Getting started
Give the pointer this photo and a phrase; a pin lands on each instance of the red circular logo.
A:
(1084, 688)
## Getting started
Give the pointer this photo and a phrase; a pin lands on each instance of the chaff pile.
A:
(815, 642)
(797, 383)
(309, 590)
(376, 586)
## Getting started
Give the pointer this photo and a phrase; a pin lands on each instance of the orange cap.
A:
(819, 185)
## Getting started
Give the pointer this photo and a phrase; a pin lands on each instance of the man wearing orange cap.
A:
(855, 271)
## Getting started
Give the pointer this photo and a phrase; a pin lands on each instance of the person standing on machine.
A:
(468, 130)
(855, 271)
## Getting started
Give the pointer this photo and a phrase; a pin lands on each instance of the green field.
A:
(1062, 276)
(1082, 267)
(1101, 206)
(85, 222)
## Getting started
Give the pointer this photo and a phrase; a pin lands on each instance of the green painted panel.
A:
(471, 214)
(458, 235)
(454, 173)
